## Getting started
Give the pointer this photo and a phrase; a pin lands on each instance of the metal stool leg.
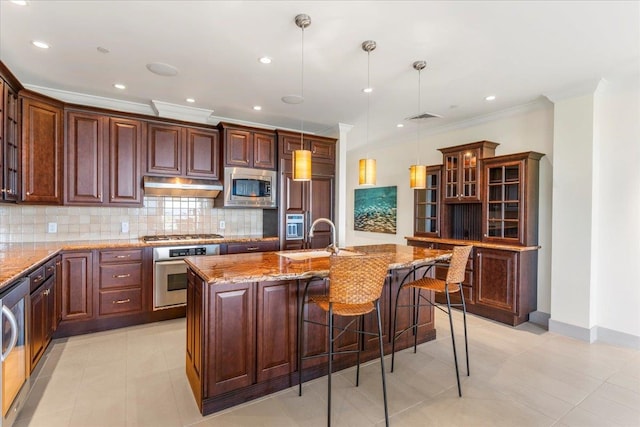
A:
(395, 324)
(330, 363)
(360, 328)
(464, 318)
(416, 314)
(384, 384)
(453, 341)
(300, 338)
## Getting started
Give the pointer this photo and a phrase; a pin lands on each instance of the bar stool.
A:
(451, 285)
(355, 286)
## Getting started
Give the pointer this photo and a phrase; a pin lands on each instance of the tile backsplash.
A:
(159, 215)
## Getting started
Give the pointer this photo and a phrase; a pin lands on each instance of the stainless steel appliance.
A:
(13, 338)
(170, 270)
(294, 226)
(250, 188)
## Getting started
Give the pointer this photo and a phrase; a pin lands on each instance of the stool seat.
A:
(340, 309)
(432, 284)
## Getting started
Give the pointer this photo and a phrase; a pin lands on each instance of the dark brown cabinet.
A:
(102, 157)
(249, 147)
(120, 279)
(42, 149)
(179, 151)
(427, 207)
(246, 247)
(43, 319)
(461, 170)
(77, 286)
(9, 137)
(323, 150)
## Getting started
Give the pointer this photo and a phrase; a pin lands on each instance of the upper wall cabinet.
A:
(103, 156)
(183, 151)
(9, 137)
(42, 149)
(427, 209)
(323, 150)
(249, 147)
(462, 173)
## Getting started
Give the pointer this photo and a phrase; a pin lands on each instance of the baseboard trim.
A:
(597, 333)
(540, 318)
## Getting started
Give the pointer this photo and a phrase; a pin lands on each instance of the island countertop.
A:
(271, 266)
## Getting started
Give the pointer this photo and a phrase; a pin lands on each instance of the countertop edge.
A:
(512, 248)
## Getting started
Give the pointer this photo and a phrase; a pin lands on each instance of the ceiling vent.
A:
(424, 116)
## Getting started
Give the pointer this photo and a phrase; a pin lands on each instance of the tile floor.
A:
(522, 376)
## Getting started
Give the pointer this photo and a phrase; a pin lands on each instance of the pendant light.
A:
(302, 158)
(418, 172)
(367, 166)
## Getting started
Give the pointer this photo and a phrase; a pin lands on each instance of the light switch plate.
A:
(124, 227)
(52, 227)
(222, 224)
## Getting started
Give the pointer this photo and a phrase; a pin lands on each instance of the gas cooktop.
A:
(180, 237)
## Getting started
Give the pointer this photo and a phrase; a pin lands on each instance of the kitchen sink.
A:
(322, 253)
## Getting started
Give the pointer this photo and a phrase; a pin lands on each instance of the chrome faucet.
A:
(333, 247)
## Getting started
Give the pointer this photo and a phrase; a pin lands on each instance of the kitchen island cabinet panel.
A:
(231, 348)
(77, 286)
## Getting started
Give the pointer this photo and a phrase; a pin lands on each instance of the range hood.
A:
(181, 187)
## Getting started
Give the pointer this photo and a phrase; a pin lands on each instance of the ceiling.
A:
(518, 51)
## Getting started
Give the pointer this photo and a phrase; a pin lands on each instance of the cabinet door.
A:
(496, 273)
(10, 145)
(203, 154)
(77, 286)
(194, 329)
(276, 329)
(125, 141)
(427, 207)
(84, 158)
(322, 151)
(288, 144)
(231, 343)
(462, 176)
(164, 149)
(41, 152)
(264, 151)
(321, 206)
(37, 326)
(238, 148)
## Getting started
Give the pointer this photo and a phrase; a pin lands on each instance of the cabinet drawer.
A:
(37, 277)
(120, 301)
(50, 268)
(120, 256)
(238, 248)
(120, 275)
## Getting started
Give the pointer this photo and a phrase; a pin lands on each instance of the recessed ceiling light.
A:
(490, 98)
(41, 45)
(190, 100)
(162, 69)
(119, 86)
(399, 125)
(265, 60)
(367, 90)
(257, 107)
(19, 2)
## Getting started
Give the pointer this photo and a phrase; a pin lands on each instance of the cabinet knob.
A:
(28, 193)
(99, 196)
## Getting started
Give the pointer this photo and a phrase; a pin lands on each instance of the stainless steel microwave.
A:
(250, 188)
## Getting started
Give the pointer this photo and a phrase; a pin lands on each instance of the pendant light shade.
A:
(302, 165)
(367, 167)
(367, 172)
(418, 172)
(418, 176)
(302, 158)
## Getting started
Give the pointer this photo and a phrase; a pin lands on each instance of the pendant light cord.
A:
(368, 95)
(302, 94)
(419, 109)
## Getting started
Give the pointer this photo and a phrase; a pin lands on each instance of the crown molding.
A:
(181, 112)
(580, 89)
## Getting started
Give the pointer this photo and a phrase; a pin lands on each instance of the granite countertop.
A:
(17, 259)
(478, 244)
(270, 266)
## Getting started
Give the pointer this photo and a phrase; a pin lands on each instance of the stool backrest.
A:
(458, 264)
(357, 279)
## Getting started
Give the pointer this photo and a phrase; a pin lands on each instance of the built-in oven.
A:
(250, 188)
(15, 358)
(170, 273)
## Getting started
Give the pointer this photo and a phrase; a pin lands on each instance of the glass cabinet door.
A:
(503, 214)
(427, 205)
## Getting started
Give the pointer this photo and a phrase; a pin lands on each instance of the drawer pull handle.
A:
(50, 268)
(122, 301)
(121, 276)
(123, 256)
(38, 278)
(253, 248)
(47, 292)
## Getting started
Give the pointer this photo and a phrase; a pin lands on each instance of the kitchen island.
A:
(242, 313)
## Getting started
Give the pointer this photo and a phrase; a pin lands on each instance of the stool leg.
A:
(330, 364)
(464, 318)
(360, 328)
(416, 314)
(384, 384)
(395, 324)
(453, 341)
(300, 338)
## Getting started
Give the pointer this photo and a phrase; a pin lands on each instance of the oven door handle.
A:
(14, 331)
(172, 262)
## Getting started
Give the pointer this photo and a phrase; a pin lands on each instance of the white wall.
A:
(528, 128)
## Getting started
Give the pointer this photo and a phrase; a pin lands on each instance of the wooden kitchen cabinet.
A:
(120, 282)
(44, 309)
(461, 169)
(249, 147)
(42, 149)
(103, 160)
(9, 136)
(427, 206)
(246, 247)
(510, 213)
(174, 150)
(77, 286)
(323, 150)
